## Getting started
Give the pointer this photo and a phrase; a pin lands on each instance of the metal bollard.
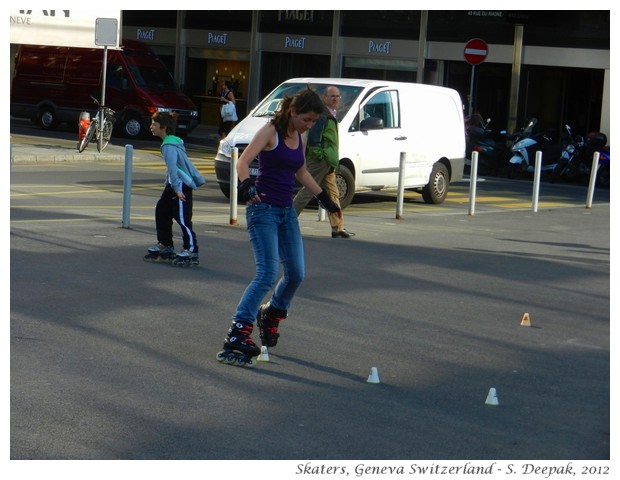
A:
(401, 185)
(127, 185)
(536, 190)
(473, 179)
(593, 173)
(234, 178)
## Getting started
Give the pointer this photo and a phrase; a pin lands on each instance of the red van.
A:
(51, 85)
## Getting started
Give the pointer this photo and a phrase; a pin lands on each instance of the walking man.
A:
(322, 160)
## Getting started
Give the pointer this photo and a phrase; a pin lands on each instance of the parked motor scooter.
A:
(576, 160)
(524, 151)
(491, 146)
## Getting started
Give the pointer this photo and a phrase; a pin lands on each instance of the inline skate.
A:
(186, 259)
(239, 348)
(160, 253)
(268, 319)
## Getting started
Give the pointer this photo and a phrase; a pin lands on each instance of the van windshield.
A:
(270, 105)
(153, 77)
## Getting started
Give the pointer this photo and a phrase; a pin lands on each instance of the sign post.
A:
(106, 34)
(475, 53)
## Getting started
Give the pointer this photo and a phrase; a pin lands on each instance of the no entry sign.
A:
(476, 51)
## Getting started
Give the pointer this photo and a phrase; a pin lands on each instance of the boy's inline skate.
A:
(268, 319)
(186, 259)
(160, 253)
(239, 348)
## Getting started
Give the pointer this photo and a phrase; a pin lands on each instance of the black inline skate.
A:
(160, 253)
(239, 348)
(268, 319)
(186, 259)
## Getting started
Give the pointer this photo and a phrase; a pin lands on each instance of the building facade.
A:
(552, 65)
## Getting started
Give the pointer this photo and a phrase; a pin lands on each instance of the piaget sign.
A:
(379, 47)
(217, 38)
(297, 43)
(295, 15)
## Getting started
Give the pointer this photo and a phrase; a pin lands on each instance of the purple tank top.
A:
(276, 173)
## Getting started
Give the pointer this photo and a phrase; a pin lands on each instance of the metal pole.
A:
(234, 178)
(593, 173)
(537, 167)
(419, 76)
(471, 90)
(473, 179)
(101, 119)
(401, 185)
(127, 185)
(515, 77)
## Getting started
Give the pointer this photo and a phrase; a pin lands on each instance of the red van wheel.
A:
(132, 127)
(47, 118)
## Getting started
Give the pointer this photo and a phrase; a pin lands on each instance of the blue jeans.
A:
(276, 238)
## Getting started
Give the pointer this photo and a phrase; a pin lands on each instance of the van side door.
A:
(376, 139)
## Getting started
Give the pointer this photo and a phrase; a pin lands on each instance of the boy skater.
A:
(182, 178)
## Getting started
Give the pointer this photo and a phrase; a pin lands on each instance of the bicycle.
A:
(102, 136)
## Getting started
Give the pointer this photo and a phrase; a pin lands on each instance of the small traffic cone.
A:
(374, 376)
(264, 355)
(492, 398)
(525, 321)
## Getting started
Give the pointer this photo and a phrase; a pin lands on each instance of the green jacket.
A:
(323, 141)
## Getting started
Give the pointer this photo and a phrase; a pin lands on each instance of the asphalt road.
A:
(114, 358)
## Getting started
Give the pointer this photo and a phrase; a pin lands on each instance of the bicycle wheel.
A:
(100, 141)
(90, 133)
(107, 134)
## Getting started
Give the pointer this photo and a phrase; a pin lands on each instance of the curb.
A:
(63, 158)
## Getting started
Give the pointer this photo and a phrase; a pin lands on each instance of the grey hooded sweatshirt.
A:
(179, 168)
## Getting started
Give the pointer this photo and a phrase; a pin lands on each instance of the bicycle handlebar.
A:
(108, 110)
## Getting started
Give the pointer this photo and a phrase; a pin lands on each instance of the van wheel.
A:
(225, 188)
(436, 190)
(47, 118)
(345, 181)
(132, 127)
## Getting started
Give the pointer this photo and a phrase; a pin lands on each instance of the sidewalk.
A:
(28, 149)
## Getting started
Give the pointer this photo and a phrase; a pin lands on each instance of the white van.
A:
(377, 121)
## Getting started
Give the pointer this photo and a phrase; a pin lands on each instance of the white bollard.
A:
(401, 185)
(473, 179)
(593, 173)
(127, 186)
(234, 178)
(537, 167)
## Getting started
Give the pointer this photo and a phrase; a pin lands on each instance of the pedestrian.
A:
(322, 160)
(176, 201)
(272, 223)
(226, 96)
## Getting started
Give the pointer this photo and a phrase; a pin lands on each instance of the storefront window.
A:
(395, 24)
(227, 20)
(152, 18)
(557, 28)
(301, 22)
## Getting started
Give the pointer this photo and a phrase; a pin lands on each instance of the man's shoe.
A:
(342, 234)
